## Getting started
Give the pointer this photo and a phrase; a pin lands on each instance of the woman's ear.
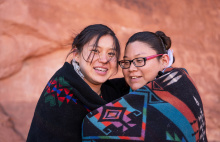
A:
(76, 55)
(165, 60)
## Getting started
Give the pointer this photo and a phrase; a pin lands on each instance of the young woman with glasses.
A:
(163, 103)
(78, 87)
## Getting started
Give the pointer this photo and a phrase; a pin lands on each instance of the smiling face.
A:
(97, 69)
(136, 77)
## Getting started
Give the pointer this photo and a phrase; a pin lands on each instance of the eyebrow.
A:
(112, 48)
(93, 45)
(135, 55)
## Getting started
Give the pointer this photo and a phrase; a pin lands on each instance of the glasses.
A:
(138, 62)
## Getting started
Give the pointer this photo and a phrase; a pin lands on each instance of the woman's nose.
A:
(132, 67)
(103, 58)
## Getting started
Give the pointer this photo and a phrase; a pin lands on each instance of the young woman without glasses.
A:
(77, 88)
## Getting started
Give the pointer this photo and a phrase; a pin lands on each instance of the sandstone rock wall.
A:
(35, 37)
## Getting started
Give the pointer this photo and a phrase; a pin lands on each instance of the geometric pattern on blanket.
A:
(118, 115)
(126, 118)
(59, 88)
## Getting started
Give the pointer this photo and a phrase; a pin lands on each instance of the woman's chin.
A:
(135, 87)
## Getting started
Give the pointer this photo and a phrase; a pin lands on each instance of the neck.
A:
(95, 87)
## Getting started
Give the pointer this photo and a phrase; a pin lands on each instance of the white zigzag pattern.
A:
(172, 78)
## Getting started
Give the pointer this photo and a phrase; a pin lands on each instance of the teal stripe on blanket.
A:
(177, 118)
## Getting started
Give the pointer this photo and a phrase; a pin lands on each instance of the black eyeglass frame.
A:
(132, 61)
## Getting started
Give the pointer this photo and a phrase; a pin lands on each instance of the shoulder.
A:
(171, 69)
(116, 82)
(67, 68)
(182, 70)
(115, 88)
(120, 84)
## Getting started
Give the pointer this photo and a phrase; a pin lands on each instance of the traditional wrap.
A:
(166, 109)
(63, 104)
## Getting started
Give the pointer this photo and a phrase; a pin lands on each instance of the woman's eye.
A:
(111, 54)
(126, 62)
(95, 51)
(139, 60)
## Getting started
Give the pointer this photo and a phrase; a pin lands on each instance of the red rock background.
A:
(35, 37)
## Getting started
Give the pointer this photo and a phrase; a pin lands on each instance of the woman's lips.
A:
(134, 78)
(100, 70)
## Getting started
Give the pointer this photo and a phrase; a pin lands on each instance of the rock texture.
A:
(35, 37)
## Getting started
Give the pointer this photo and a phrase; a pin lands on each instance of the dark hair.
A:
(90, 32)
(158, 41)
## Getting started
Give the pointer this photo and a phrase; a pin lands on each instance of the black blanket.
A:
(63, 104)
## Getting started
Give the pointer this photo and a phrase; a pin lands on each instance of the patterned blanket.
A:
(166, 109)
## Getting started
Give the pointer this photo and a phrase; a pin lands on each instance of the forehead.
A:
(106, 41)
(138, 48)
